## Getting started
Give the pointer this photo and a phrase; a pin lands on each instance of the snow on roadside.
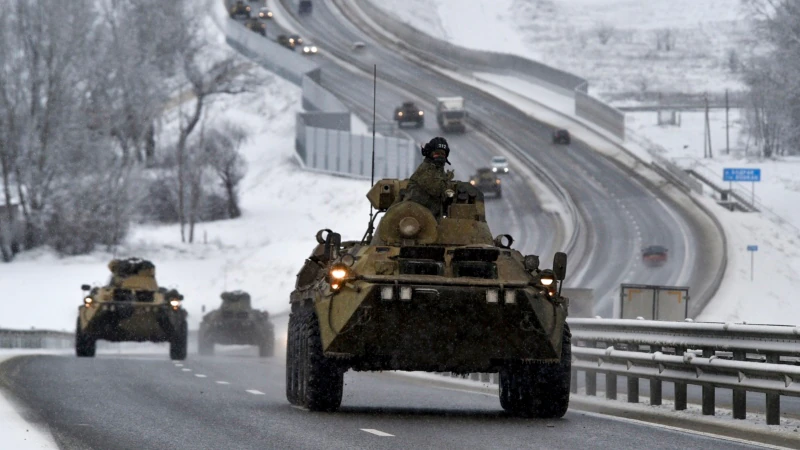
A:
(15, 432)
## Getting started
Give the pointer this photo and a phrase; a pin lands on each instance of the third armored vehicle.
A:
(422, 295)
(487, 181)
(408, 112)
(236, 322)
(131, 307)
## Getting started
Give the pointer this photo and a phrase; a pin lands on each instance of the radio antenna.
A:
(371, 228)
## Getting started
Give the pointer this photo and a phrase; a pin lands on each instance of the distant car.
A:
(296, 39)
(654, 255)
(239, 9)
(286, 41)
(499, 164)
(256, 25)
(408, 112)
(265, 13)
(359, 45)
(561, 137)
(487, 182)
(309, 49)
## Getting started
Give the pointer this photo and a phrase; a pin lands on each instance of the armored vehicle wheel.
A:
(205, 346)
(177, 344)
(539, 390)
(322, 379)
(292, 376)
(84, 345)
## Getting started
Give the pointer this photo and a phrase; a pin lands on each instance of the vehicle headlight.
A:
(338, 273)
(505, 169)
(306, 49)
(472, 182)
(547, 277)
(175, 303)
(421, 113)
(88, 301)
(494, 169)
(400, 114)
(269, 14)
(313, 49)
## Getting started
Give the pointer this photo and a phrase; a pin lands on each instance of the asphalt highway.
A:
(235, 400)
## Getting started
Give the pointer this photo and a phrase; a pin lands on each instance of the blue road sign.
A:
(741, 174)
(752, 248)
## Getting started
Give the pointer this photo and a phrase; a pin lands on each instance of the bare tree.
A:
(222, 147)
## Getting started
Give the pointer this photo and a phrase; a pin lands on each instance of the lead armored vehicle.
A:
(422, 295)
(235, 322)
(131, 307)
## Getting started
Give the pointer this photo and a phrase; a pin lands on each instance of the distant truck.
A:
(304, 7)
(450, 114)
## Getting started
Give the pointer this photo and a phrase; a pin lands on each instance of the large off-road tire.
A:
(292, 375)
(84, 345)
(178, 343)
(205, 346)
(322, 378)
(539, 390)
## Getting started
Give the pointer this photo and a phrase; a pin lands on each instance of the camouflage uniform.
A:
(427, 185)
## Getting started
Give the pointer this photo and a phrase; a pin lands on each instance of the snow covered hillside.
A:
(620, 46)
(261, 252)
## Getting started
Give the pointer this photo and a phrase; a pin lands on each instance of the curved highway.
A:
(620, 213)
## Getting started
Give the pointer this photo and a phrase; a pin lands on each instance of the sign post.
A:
(752, 249)
(751, 175)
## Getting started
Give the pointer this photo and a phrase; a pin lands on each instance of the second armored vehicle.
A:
(286, 41)
(239, 9)
(255, 25)
(131, 307)
(236, 323)
(487, 182)
(408, 112)
(425, 295)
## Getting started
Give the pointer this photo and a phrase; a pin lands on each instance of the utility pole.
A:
(727, 126)
(708, 130)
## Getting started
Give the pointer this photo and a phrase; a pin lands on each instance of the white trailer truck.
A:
(450, 114)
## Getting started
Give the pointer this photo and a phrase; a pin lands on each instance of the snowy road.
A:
(236, 401)
(621, 212)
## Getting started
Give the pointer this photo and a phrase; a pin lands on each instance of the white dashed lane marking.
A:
(186, 370)
(377, 432)
(178, 365)
(222, 382)
(199, 375)
(254, 392)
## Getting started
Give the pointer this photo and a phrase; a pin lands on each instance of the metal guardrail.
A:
(36, 339)
(741, 357)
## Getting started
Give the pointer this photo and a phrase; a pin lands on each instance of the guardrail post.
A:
(773, 400)
(708, 390)
(680, 388)
(573, 382)
(591, 382)
(739, 395)
(655, 385)
(611, 386)
(633, 389)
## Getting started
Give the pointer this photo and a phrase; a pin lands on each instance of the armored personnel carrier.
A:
(235, 322)
(131, 307)
(422, 295)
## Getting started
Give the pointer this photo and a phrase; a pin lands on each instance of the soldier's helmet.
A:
(437, 144)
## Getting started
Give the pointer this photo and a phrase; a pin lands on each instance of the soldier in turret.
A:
(428, 183)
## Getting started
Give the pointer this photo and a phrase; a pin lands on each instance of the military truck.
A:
(131, 307)
(286, 41)
(239, 9)
(487, 181)
(256, 25)
(235, 322)
(450, 114)
(415, 294)
(408, 112)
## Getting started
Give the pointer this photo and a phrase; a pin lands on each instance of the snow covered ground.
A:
(769, 297)
(261, 252)
(706, 38)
